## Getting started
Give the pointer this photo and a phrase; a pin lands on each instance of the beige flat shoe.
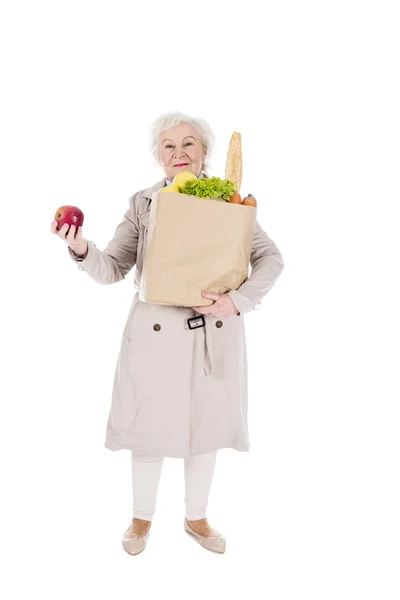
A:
(136, 543)
(213, 543)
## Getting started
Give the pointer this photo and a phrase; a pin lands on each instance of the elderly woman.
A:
(164, 402)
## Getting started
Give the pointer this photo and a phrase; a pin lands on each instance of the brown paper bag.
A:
(193, 245)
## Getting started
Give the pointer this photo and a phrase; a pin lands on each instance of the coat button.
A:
(156, 327)
(218, 324)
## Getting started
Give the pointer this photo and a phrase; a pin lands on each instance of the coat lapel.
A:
(144, 217)
(155, 188)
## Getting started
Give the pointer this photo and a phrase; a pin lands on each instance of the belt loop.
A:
(196, 322)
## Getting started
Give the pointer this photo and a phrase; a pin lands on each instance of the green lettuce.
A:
(214, 187)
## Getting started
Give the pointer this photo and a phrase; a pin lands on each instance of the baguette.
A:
(233, 169)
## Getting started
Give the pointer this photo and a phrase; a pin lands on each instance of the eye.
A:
(189, 144)
(169, 146)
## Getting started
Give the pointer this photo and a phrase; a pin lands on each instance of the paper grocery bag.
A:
(195, 244)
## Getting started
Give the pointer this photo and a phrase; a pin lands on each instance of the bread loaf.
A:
(233, 169)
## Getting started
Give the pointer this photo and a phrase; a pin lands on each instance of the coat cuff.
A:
(243, 304)
(83, 262)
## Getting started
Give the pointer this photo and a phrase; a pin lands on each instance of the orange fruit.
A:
(249, 200)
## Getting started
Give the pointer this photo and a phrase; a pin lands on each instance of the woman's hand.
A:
(222, 308)
(74, 239)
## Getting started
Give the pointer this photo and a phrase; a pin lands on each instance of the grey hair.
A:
(172, 119)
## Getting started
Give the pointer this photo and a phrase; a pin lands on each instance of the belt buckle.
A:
(196, 322)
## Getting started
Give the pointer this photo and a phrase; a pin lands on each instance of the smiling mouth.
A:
(182, 165)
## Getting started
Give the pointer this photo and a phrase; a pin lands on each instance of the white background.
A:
(312, 511)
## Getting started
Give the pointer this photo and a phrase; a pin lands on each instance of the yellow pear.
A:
(180, 179)
(170, 188)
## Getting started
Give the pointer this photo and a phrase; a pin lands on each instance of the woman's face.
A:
(181, 150)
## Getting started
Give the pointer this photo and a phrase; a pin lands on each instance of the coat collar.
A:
(147, 193)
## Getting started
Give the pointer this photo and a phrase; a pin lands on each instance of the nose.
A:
(180, 152)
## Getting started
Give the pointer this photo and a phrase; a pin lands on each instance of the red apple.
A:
(72, 215)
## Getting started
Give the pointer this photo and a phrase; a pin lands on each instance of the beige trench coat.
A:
(178, 391)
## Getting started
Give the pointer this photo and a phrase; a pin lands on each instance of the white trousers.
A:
(146, 473)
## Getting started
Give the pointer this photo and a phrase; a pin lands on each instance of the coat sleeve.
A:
(116, 260)
(266, 266)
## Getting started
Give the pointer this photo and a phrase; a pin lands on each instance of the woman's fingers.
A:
(54, 229)
(71, 234)
(63, 231)
(67, 231)
(79, 235)
(54, 226)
